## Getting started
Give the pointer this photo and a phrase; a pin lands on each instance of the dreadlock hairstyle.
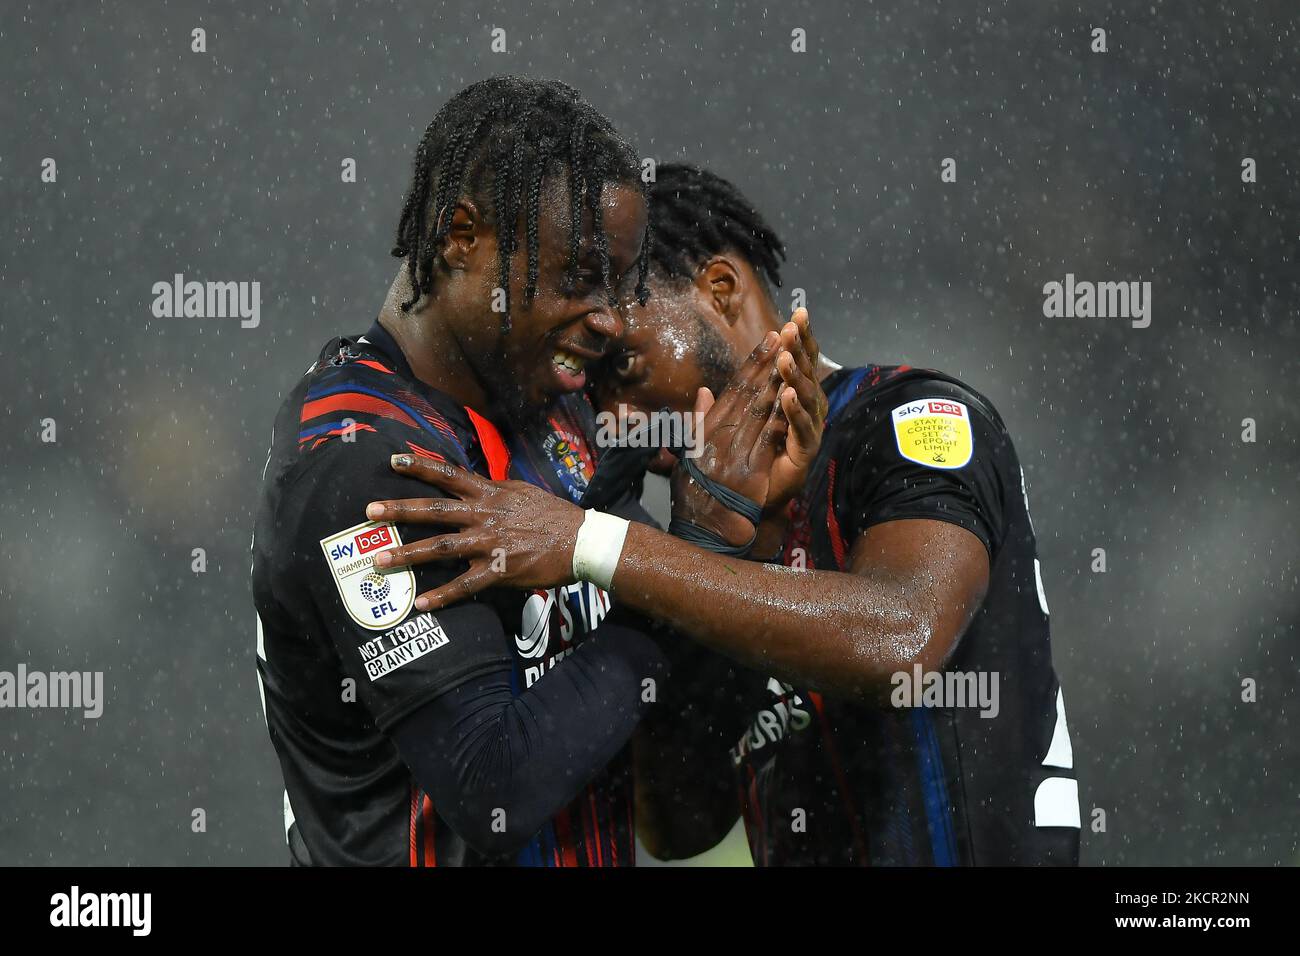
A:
(695, 215)
(495, 142)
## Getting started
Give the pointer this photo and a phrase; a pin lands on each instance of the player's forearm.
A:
(846, 633)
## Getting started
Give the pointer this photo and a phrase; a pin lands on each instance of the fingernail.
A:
(383, 559)
(402, 461)
(422, 604)
(374, 510)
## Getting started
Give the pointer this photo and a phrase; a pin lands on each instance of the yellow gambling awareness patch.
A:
(934, 432)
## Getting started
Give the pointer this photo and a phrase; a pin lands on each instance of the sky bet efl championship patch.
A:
(375, 601)
(934, 432)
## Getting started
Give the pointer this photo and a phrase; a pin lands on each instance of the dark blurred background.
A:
(225, 165)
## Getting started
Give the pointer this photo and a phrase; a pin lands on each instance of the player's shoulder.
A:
(928, 417)
(354, 399)
(352, 411)
(869, 393)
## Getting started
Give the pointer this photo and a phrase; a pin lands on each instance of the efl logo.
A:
(945, 408)
(375, 601)
(374, 538)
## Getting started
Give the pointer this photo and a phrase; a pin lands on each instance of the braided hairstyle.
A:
(695, 215)
(495, 142)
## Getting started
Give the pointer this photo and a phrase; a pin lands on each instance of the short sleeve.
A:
(930, 451)
(399, 658)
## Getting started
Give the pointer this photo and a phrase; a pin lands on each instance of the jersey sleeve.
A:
(930, 451)
(398, 657)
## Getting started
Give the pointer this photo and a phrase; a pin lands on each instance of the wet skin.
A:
(911, 588)
(454, 339)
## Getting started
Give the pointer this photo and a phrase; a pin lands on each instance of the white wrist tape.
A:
(598, 548)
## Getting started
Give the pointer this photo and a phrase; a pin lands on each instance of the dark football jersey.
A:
(341, 653)
(972, 766)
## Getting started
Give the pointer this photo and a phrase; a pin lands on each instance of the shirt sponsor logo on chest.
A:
(554, 621)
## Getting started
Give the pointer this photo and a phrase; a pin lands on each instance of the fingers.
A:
(802, 425)
(792, 344)
(448, 511)
(462, 546)
(757, 361)
(798, 341)
(770, 440)
(478, 578)
(802, 321)
(806, 387)
(703, 402)
(750, 377)
(753, 417)
(450, 478)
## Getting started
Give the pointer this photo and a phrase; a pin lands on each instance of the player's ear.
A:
(466, 227)
(722, 284)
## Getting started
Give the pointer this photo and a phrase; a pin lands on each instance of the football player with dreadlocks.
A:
(410, 739)
(900, 584)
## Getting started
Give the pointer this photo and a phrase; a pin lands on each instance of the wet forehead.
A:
(665, 323)
(623, 218)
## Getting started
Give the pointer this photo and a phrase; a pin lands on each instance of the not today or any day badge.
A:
(375, 601)
(934, 432)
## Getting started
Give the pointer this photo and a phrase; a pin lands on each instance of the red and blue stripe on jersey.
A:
(364, 386)
(353, 394)
(911, 764)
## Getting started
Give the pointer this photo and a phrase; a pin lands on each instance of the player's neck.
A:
(431, 350)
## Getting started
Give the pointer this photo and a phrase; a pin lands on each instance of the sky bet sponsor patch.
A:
(375, 601)
(934, 432)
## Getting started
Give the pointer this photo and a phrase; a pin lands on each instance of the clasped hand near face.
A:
(758, 439)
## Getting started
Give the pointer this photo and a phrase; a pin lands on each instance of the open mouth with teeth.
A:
(570, 370)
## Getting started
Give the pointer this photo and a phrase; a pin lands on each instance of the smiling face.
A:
(564, 328)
